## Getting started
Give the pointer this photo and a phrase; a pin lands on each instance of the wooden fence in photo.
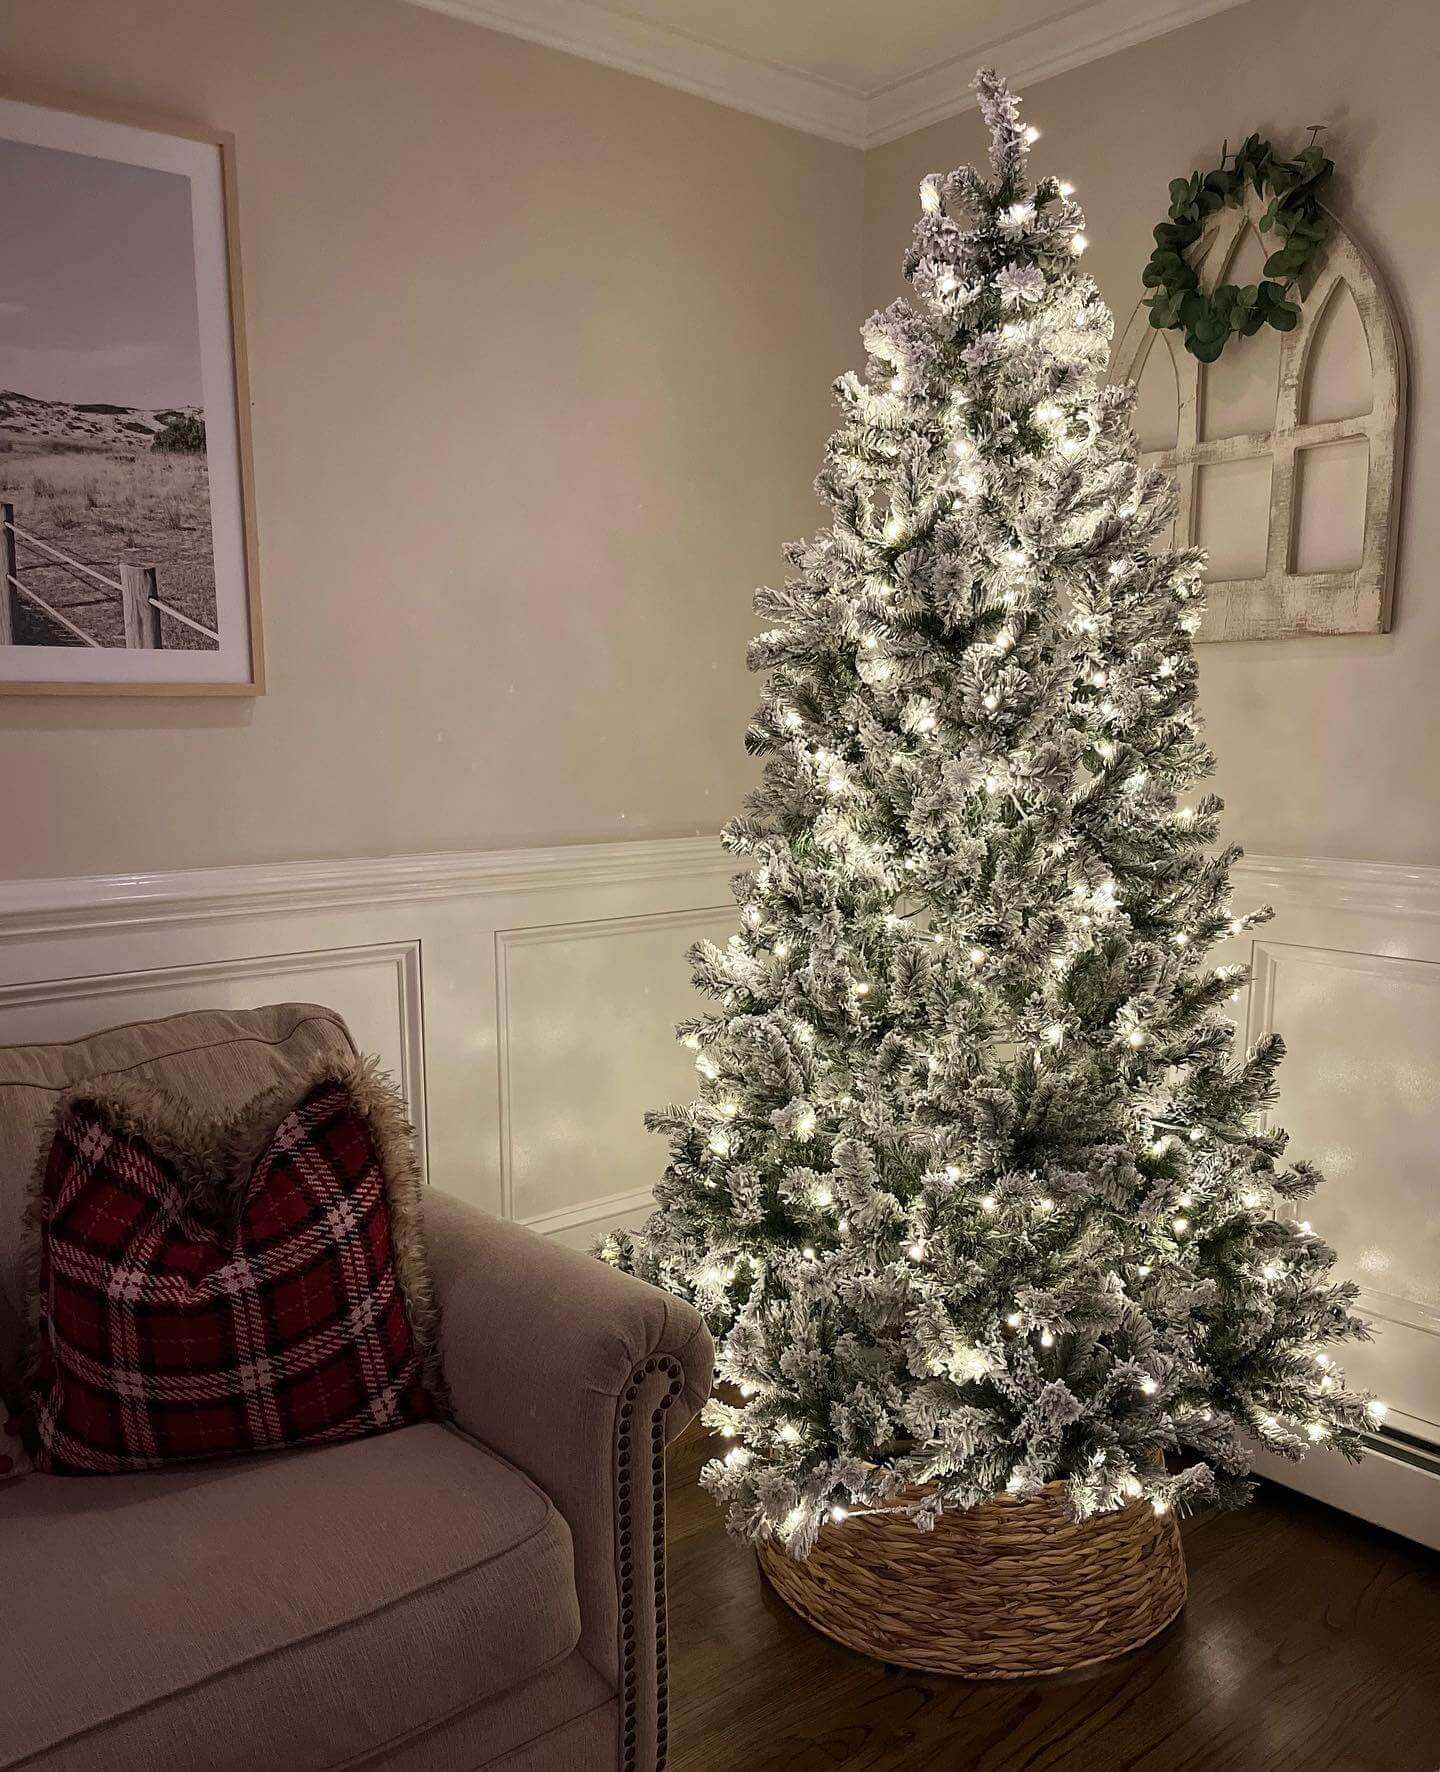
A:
(136, 587)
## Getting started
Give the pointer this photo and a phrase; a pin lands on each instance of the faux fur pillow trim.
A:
(214, 1156)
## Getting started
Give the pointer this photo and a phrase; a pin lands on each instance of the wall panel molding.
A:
(524, 998)
(30, 908)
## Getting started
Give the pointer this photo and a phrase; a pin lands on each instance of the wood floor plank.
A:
(1311, 1643)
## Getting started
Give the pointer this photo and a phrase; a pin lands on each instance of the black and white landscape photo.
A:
(111, 465)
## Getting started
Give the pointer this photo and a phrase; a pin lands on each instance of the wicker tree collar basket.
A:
(1010, 1588)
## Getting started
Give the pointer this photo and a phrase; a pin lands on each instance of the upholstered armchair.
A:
(487, 1592)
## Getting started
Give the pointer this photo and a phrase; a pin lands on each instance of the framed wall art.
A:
(127, 514)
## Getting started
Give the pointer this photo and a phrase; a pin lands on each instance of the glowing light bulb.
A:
(808, 1253)
(862, 989)
(730, 1109)
(789, 1433)
(1237, 925)
(1133, 1486)
(1181, 1226)
(843, 1226)
(839, 1514)
(926, 723)
(1149, 1386)
(1078, 245)
(916, 1251)
(1014, 1319)
(1045, 1204)
(1066, 188)
(952, 1174)
(737, 1456)
(1317, 1431)
(987, 1202)
(929, 197)
(1019, 215)
(1376, 1410)
(720, 1144)
(1046, 1338)
(1055, 1033)
(782, 948)
(1031, 135)
(707, 1066)
(962, 448)
(976, 956)
(1160, 1504)
(804, 1032)
(1136, 1037)
(992, 702)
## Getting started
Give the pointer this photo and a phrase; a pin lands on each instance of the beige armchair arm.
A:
(579, 1376)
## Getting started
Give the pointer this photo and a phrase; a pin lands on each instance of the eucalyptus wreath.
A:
(1208, 318)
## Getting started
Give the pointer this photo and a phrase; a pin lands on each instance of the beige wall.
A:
(540, 363)
(1326, 746)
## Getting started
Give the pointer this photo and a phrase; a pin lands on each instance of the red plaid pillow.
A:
(193, 1304)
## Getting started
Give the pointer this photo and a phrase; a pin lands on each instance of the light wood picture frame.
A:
(128, 552)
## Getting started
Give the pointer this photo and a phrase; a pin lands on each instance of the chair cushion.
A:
(198, 1299)
(295, 1611)
(217, 1059)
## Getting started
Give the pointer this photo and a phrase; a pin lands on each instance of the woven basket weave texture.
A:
(1010, 1588)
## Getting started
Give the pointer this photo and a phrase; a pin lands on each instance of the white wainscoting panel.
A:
(1360, 1095)
(375, 988)
(525, 1001)
(1349, 973)
(587, 1014)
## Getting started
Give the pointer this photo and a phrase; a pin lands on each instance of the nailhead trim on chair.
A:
(626, 1487)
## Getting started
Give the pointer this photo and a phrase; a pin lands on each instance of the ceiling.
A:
(857, 71)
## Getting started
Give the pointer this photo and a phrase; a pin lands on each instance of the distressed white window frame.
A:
(1283, 602)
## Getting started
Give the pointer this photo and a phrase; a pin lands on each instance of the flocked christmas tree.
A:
(976, 1194)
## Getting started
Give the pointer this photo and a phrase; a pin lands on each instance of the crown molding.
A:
(801, 100)
(1095, 31)
(673, 58)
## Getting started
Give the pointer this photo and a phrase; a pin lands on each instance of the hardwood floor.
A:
(1311, 1643)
